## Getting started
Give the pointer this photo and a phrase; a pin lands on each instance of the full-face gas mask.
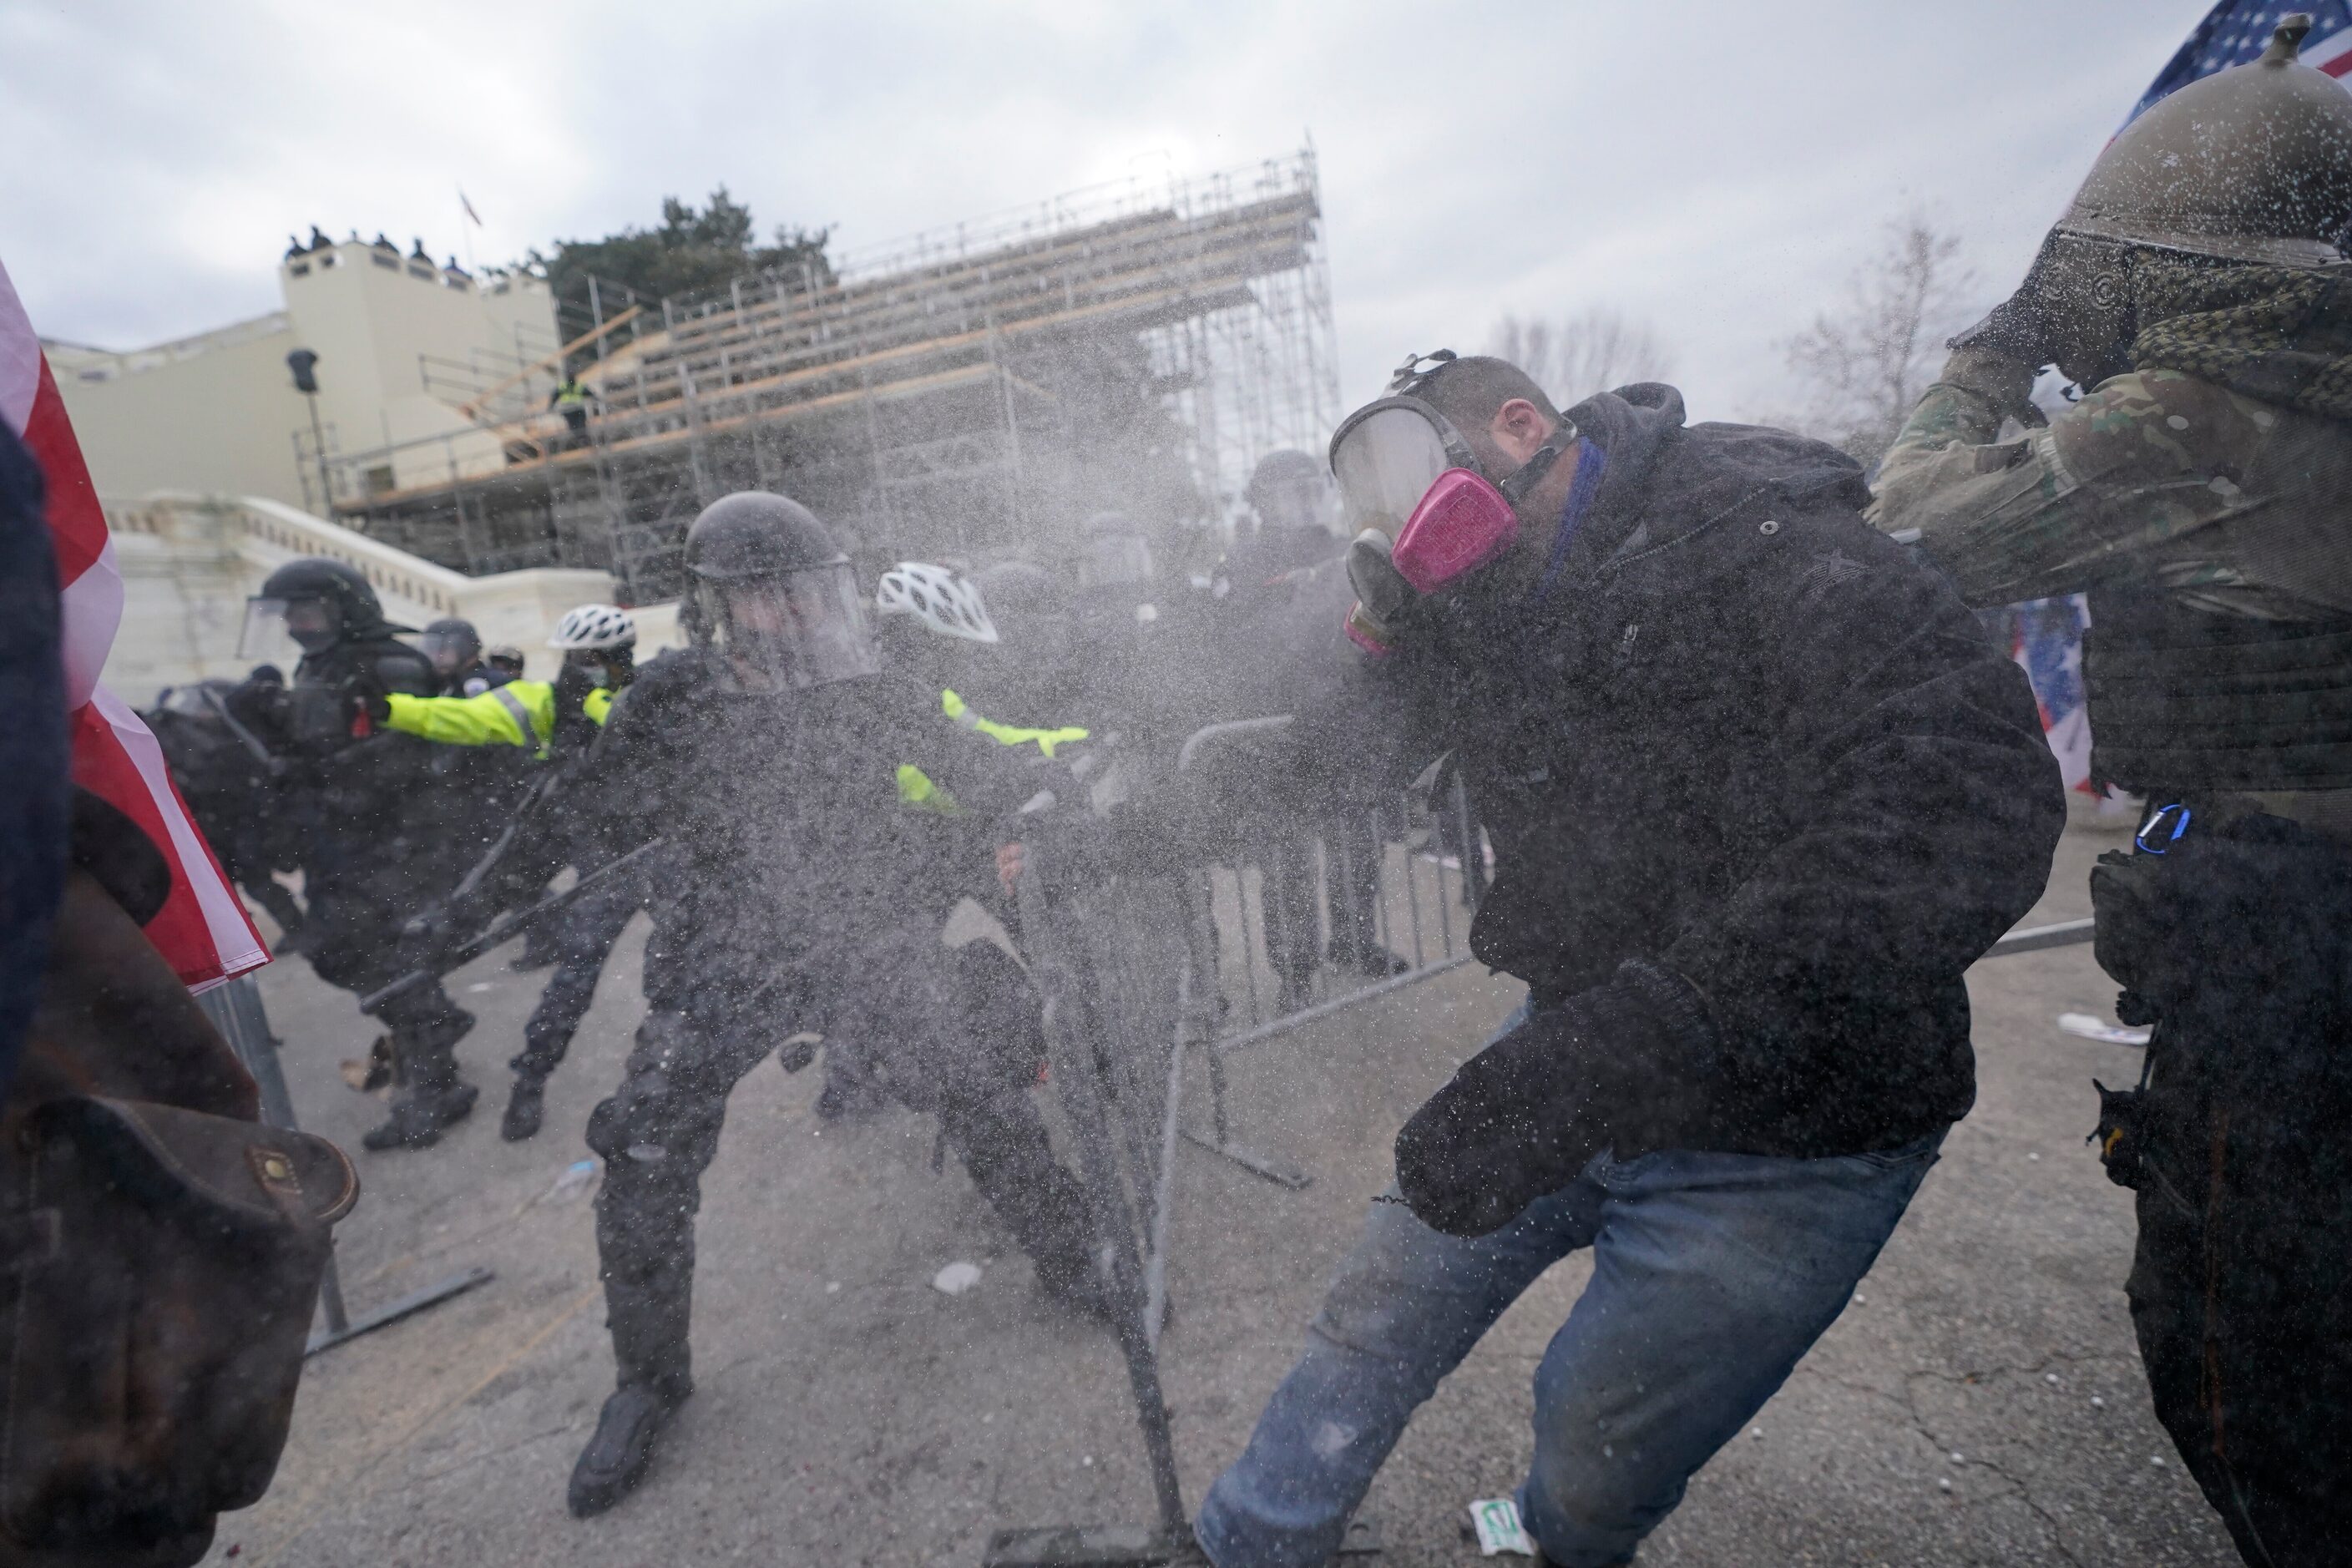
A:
(1419, 501)
(790, 631)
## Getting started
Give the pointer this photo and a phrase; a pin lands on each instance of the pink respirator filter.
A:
(1462, 523)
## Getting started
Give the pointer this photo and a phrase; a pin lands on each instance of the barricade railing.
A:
(1148, 939)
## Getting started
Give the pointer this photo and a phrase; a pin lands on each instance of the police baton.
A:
(504, 929)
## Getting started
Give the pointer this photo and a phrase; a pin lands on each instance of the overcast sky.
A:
(1718, 169)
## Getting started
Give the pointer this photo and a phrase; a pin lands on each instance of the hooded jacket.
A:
(1761, 789)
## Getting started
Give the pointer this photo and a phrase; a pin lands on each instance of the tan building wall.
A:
(189, 561)
(218, 413)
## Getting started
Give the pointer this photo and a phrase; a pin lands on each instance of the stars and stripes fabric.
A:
(2237, 31)
(201, 929)
(2045, 637)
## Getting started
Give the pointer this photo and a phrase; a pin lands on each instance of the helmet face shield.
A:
(791, 631)
(280, 631)
(1115, 560)
(450, 651)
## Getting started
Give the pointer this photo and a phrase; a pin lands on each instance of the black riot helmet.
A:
(307, 606)
(1291, 489)
(774, 595)
(452, 645)
(1114, 552)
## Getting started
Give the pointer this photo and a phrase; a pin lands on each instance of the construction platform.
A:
(971, 392)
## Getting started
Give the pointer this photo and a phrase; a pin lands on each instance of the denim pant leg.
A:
(1406, 1307)
(1711, 1275)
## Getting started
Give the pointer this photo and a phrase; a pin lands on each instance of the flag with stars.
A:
(2046, 637)
(2237, 31)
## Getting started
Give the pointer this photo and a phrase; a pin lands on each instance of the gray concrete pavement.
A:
(850, 1414)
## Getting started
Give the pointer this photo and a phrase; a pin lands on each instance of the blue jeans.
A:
(1711, 1275)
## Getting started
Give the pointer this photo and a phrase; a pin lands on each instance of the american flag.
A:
(2046, 636)
(201, 929)
(2236, 31)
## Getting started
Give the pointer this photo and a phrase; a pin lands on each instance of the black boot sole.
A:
(590, 1494)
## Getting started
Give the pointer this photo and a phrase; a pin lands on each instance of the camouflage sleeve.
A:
(2124, 483)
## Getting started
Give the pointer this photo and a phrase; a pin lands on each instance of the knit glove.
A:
(1524, 1117)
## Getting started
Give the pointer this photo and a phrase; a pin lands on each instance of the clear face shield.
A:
(1295, 500)
(280, 631)
(449, 652)
(1114, 561)
(790, 632)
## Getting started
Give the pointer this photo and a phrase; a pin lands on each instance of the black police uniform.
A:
(816, 865)
(375, 850)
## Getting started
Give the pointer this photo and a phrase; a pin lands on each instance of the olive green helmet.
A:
(2252, 163)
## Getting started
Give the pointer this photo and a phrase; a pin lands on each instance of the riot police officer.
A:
(825, 818)
(2197, 292)
(455, 649)
(373, 852)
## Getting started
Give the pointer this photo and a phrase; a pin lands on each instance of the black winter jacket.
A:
(1757, 769)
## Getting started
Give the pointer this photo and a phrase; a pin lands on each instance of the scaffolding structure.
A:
(970, 392)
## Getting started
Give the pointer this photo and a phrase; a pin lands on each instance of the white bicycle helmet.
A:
(939, 599)
(595, 626)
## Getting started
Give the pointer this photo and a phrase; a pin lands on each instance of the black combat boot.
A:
(419, 1117)
(430, 1099)
(647, 1320)
(524, 1107)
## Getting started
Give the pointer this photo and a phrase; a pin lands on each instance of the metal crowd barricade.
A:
(1148, 946)
(236, 1010)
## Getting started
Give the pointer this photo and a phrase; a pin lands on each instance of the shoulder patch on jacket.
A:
(1827, 574)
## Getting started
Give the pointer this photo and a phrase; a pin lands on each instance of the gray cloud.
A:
(1720, 177)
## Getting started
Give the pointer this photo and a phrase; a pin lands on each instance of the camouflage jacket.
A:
(2157, 478)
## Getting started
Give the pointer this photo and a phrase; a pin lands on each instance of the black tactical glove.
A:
(573, 685)
(1525, 1116)
(364, 695)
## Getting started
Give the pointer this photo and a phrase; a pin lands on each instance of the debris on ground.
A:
(956, 1278)
(1496, 1520)
(576, 1179)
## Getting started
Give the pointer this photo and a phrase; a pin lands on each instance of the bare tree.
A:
(1590, 351)
(1862, 366)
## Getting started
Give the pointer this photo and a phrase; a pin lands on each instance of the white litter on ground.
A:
(1496, 1520)
(2099, 1029)
(576, 1179)
(956, 1278)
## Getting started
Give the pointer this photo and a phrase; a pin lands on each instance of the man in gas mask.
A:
(825, 816)
(2197, 490)
(375, 846)
(1759, 791)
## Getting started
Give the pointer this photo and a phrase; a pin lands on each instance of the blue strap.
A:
(2155, 822)
(1590, 461)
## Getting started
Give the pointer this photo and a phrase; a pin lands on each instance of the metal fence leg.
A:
(1203, 939)
(235, 1007)
(1071, 1031)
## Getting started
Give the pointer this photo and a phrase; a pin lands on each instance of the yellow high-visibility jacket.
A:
(520, 713)
(916, 788)
(1008, 734)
